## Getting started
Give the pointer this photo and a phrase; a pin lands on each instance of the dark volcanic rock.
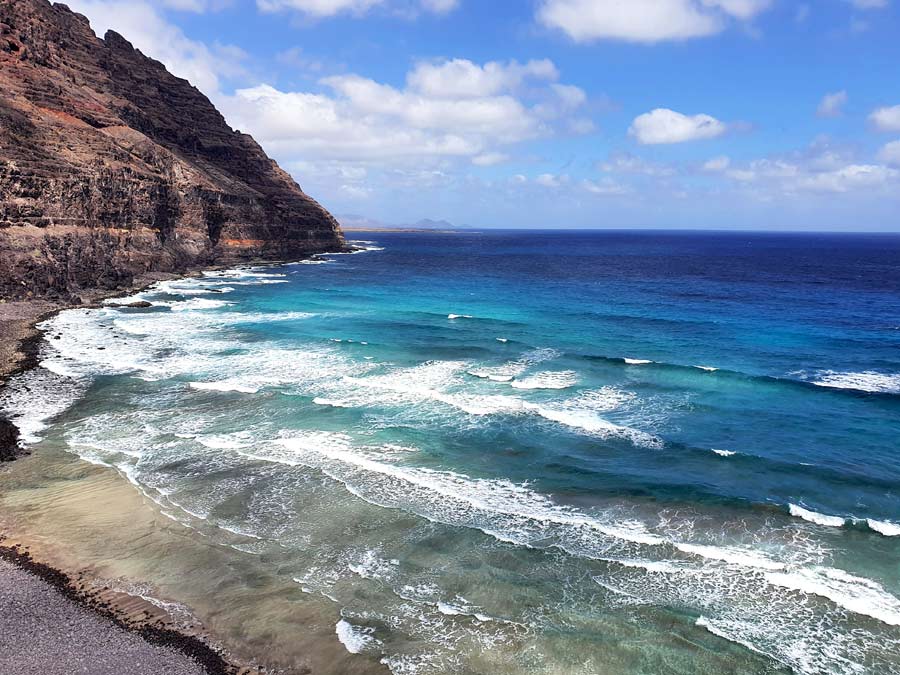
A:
(9, 440)
(111, 167)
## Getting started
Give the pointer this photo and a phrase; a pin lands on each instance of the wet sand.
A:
(79, 516)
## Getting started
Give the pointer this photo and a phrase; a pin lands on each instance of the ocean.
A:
(505, 451)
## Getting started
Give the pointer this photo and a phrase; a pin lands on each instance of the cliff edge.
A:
(112, 168)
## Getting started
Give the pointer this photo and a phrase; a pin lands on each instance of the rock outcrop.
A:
(111, 168)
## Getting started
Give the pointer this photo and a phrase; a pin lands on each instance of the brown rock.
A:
(111, 167)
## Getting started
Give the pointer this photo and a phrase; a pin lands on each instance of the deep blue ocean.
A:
(541, 452)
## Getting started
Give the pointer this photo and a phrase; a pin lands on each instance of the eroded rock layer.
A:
(111, 167)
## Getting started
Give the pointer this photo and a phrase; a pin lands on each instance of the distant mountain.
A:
(357, 222)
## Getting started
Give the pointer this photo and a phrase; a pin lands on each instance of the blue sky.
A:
(750, 114)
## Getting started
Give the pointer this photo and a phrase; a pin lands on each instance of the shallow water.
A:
(503, 452)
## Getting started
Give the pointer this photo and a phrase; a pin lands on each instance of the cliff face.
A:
(111, 167)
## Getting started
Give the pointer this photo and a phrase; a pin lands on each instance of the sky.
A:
(709, 114)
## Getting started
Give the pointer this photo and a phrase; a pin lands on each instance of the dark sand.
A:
(43, 631)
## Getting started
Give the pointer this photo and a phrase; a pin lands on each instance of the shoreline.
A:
(20, 341)
(136, 619)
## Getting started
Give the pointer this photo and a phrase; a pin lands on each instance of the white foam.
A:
(731, 555)
(817, 518)
(495, 375)
(724, 453)
(225, 442)
(196, 304)
(884, 527)
(637, 362)
(856, 594)
(500, 339)
(354, 638)
(30, 400)
(708, 369)
(224, 385)
(331, 402)
(460, 316)
(868, 380)
(562, 379)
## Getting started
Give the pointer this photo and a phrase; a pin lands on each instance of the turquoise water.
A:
(527, 452)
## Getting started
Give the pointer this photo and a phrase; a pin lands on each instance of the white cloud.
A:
(624, 162)
(818, 169)
(645, 20)
(832, 105)
(490, 159)
(886, 119)
(549, 180)
(321, 9)
(667, 126)
(717, 164)
(440, 6)
(890, 153)
(463, 79)
(455, 110)
(606, 187)
(142, 24)
(848, 178)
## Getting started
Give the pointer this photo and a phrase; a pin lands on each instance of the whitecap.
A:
(224, 385)
(884, 527)
(334, 403)
(460, 316)
(637, 362)
(196, 304)
(724, 453)
(708, 369)
(815, 517)
(547, 380)
(856, 594)
(354, 638)
(868, 380)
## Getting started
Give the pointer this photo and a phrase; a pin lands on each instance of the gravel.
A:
(44, 633)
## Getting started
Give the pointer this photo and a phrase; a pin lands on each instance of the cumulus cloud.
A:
(321, 9)
(645, 21)
(832, 105)
(662, 126)
(890, 153)
(463, 79)
(886, 119)
(142, 24)
(451, 110)
(819, 169)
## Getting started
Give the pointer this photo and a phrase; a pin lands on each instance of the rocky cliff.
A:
(111, 167)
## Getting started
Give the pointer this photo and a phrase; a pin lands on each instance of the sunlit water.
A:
(519, 452)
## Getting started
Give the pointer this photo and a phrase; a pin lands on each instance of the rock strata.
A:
(112, 168)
